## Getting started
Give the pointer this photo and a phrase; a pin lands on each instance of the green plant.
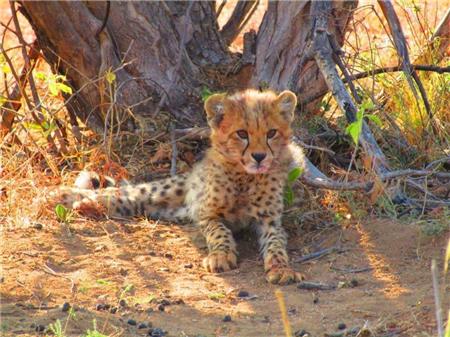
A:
(216, 296)
(95, 332)
(55, 83)
(354, 129)
(63, 214)
(57, 329)
(127, 289)
(293, 175)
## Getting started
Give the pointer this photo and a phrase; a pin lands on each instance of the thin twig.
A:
(319, 254)
(419, 67)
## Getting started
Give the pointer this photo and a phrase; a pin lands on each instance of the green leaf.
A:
(205, 93)
(367, 105)
(103, 282)
(375, 119)
(354, 130)
(294, 174)
(216, 296)
(5, 68)
(53, 87)
(110, 77)
(61, 212)
(65, 88)
(40, 75)
(289, 196)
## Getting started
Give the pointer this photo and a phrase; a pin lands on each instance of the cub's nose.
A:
(259, 157)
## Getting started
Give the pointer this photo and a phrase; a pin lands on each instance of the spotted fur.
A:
(239, 182)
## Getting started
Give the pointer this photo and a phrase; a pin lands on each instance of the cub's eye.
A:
(271, 133)
(242, 134)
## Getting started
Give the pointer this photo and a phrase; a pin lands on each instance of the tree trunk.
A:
(164, 53)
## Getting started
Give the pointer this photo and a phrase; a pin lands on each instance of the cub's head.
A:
(251, 128)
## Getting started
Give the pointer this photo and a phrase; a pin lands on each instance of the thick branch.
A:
(402, 50)
(320, 10)
(235, 23)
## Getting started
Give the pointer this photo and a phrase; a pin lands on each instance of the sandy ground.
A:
(155, 266)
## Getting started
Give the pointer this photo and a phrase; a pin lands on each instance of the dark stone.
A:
(131, 322)
(342, 326)
(113, 310)
(100, 307)
(65, 307)
(243, 293)
(227, 318)
(123, 303)
(142, 326)
(188, 265)
(39, 328)
(38, 226)
(156, 332)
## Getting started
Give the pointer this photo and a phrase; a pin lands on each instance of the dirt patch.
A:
(151, 273)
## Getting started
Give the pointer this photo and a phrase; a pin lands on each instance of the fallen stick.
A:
(315, 286)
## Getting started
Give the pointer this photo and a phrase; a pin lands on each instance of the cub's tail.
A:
(160, 199)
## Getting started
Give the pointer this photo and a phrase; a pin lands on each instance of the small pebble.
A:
(168, 256)
(113, 310)
(302, 333)
(100, 307)
(227, 318)
(161, 307)
(188, 265)
(106, 306)
(142, 326)
(40, 328)
(342, 326)
(165, 302)
(123, 303)
(243, 293)
(131, 322)
(65, 307)
(156, 332)
(354, 282)
(38, 226)
(178, 301)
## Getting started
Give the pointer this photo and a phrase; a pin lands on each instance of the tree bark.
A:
(164, 53)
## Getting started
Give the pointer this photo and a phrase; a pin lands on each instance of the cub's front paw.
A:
(217, 262)
(283, 275)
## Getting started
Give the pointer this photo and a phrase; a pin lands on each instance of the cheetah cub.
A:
(239, 182)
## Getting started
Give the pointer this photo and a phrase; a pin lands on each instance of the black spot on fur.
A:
(143, 190)
(162, 194)
(154, 189)
(179, 192)
(268, 203)
(166, 187)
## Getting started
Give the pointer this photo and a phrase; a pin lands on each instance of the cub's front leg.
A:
(221, 245)
(273, 242)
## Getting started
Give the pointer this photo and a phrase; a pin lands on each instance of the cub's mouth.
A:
(255, 168)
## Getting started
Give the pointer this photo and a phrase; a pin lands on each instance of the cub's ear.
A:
(286, 103)
(215, 109)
